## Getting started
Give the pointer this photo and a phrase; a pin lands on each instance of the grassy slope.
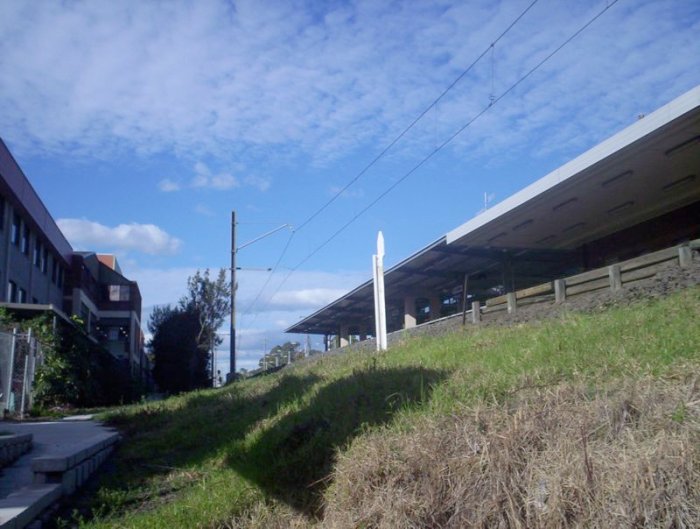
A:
(262, 452)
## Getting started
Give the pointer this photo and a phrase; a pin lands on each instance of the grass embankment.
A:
(589, 420)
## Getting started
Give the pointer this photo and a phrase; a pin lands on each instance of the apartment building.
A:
(41, 272)
(108, 304)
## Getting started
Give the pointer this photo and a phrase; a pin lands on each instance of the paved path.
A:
(49, 438)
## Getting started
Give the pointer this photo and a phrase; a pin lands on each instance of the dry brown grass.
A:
(268, 515)
(549, 458)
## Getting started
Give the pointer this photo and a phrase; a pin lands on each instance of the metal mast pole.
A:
(232, 353)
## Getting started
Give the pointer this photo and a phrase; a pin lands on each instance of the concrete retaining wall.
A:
(13, 446)
(55, 476)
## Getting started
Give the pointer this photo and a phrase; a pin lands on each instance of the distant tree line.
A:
(283, 354)
(184, 336)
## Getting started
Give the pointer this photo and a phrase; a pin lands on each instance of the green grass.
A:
(208, 458)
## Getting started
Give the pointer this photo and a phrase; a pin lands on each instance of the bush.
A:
(76, 371)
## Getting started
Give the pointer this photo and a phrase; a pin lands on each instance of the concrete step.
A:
(73, 466)
(21, 508)
(12, 446)
(56, 474)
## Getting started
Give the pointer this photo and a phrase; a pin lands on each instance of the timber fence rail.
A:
(613, 277)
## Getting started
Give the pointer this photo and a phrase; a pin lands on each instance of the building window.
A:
(37, 253)
(35, 301)
(119, 292)
(45, 260)
(113, 334)
(60, 277)
(2, 213)
(22, 298)
(85, 315)
(12, 292)
(54, 270)
(16, 226)
(24, 243)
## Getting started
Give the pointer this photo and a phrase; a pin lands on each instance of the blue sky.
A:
(143, 124)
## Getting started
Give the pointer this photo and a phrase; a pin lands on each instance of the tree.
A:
(281, 354)
(210, 300)
(184, 336)
(180, 364)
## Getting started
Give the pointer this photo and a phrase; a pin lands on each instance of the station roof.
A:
(648, 169)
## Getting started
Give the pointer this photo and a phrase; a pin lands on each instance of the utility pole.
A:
(234, 286)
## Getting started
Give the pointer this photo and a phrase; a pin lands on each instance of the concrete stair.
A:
(13, 446)
(56, 474)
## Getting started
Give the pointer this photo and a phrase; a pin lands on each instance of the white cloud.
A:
(167, 186)
(321, 79)
(160, 286)
(261, 327)
(259, 182)
(145, 238)
(305, 298)
(305, 292)
(204, 178)
(348, 193)
(204, 210)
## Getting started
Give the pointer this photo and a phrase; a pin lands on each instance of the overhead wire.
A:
(249, 307)
(388, 147)
(437, 149)
(269, 277)
(414, 122)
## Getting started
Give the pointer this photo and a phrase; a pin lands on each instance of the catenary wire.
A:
(442, 145)
(415, 121)
(386, 149)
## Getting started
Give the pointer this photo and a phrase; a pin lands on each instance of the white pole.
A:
(26, 369)
(10, 372)
(380, 302)
(377, 324)
(382, 305)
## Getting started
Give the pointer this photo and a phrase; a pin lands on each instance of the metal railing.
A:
(20, 356)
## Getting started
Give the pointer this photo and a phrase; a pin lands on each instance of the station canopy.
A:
(646, 171)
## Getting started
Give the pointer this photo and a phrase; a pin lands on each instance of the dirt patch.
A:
(625, 457)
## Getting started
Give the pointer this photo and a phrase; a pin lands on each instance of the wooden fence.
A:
(613, 277)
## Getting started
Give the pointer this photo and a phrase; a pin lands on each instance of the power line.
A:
(269, 277)
(415, 121)
(386, 149)
(444, 144)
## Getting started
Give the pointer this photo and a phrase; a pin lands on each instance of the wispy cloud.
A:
(258, 182)
(321, 79)
(348, 193)
(204, 178)
(168, 186)
(310, 290)
(203, 210)
(305, 298)
(145, 238)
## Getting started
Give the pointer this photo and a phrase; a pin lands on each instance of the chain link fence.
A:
(20, 356)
